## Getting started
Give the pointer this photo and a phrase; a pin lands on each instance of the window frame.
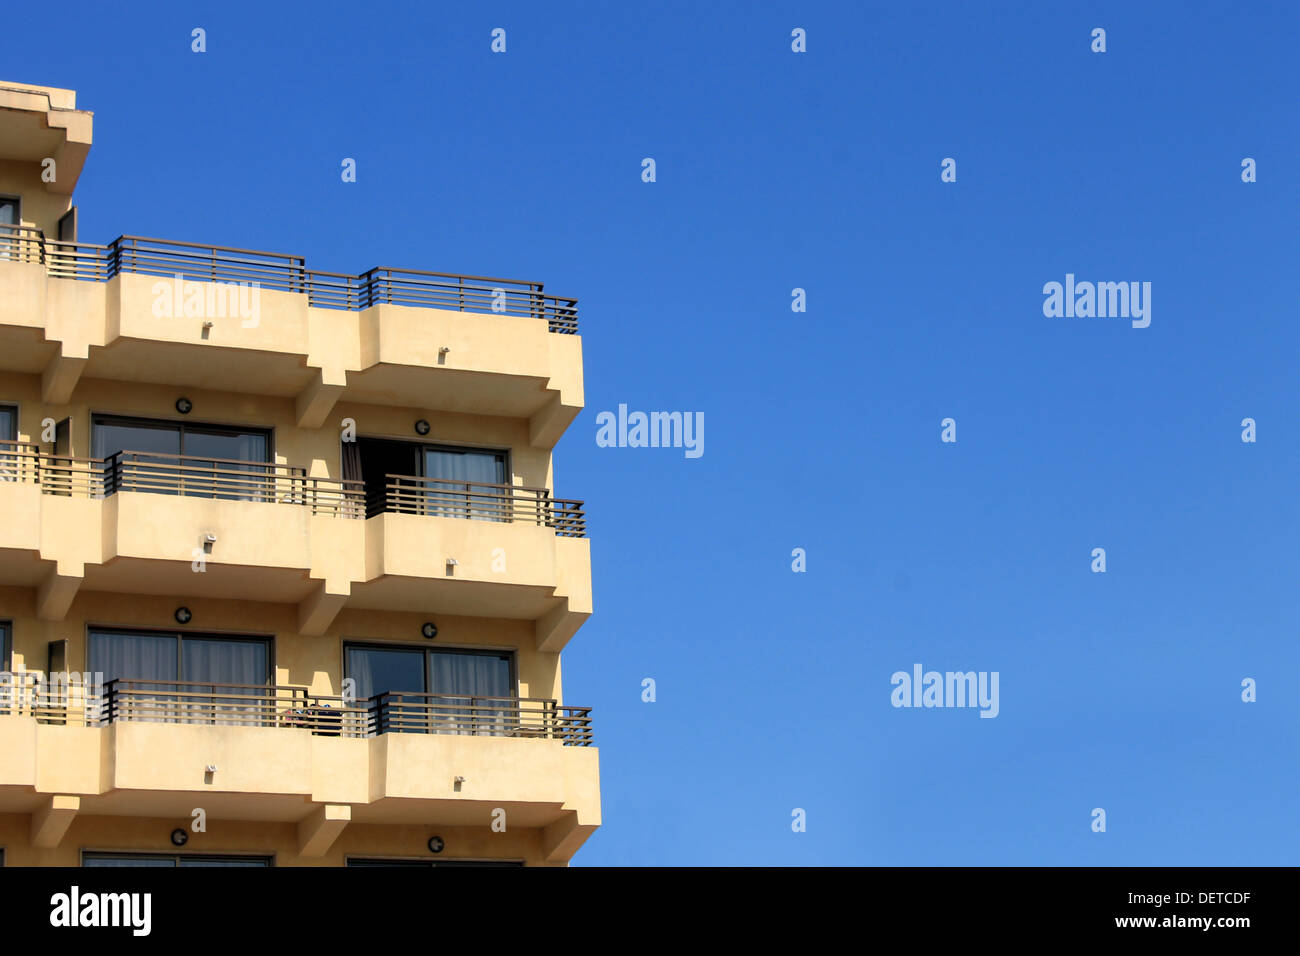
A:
(112, 418)
(268, 640)
(405, 861)
(427, 651)
(262, 860)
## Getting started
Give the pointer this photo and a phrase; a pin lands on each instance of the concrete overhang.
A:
(43, 122)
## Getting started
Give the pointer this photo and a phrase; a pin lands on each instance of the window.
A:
(10, 215)
(5, 649)
(430, 479)
(169, 859)
(148, 665)
(8, 433)
(216, 458)
(377, 861)
(421, 690)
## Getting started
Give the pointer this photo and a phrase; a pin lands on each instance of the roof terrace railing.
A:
(285, 273)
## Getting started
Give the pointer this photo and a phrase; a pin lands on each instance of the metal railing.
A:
(60, 701)
(185, 475)
(286, 273)
(412, 713)
(230, 479)
(291, 707)
(479, 501)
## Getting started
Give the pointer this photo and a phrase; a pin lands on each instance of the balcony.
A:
(411, 338)
(293, 707)
(478, 501)
(136, 522)
(276, 271)
(284, 754)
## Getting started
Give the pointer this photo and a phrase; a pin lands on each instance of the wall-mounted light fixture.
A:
(184, 615)
(184, 406)
(180, 837)
(436, 844)
(209, 540)
(429, 630)
(422, 427)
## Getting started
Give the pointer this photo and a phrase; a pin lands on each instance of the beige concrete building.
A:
(283, 579)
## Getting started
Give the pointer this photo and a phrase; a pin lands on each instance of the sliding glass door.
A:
(9, 464)
(229, 463)
(421, 690)
(169, 859)
(462, 681)
(461, 476)
(415, 478)
(161, 676)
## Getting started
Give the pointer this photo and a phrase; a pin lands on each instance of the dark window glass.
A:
(4, 646)
(146, 859)
(123, 860)
(465, 683)
(113, 437)
(378, 670)
(222, 861)
(428, 863)
(10, 246)
(9, 461)
(242, 452)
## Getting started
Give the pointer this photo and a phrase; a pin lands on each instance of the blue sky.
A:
(821, 170)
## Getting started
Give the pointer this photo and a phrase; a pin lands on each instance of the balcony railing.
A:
(291, 707)
(185, 475)
(286, 273)
(232, 480)
(444, 498)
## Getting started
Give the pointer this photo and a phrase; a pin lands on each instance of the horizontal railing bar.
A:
(198, 245)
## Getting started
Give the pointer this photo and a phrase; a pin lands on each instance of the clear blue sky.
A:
(775, 170)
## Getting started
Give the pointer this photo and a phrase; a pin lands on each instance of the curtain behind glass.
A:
(227, 662)
(137, 657)
(465, 677)
(467, 469)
